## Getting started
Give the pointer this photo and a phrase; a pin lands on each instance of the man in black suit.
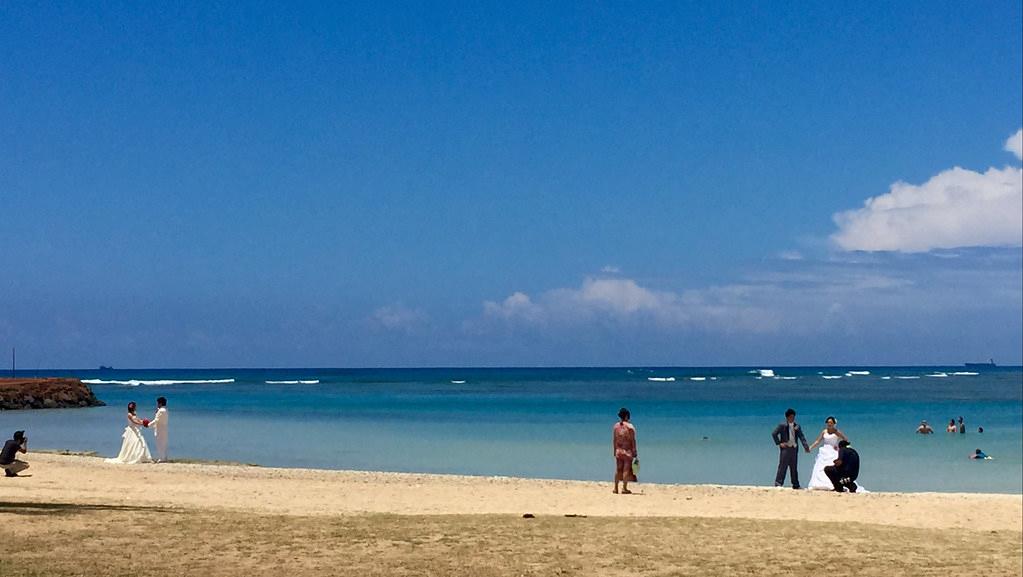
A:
(846, 469)
(785, 436)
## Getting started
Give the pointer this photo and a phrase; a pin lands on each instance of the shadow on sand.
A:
(29, 508)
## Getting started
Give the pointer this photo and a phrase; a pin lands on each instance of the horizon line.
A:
(523, 367)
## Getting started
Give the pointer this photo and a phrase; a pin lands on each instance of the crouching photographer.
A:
(11, 465)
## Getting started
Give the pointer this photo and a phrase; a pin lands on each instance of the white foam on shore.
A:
(965, 374)
(457, 382)
(857, 373)
(938, 375)
(829, 377)
(310, 382)
(766, 372)
(661, 379)
(907, 378)
(137, 382)
(697, 378)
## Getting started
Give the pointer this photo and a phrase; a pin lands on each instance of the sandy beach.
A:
(240, 520)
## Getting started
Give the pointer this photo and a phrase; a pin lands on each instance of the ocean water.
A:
(708, 425)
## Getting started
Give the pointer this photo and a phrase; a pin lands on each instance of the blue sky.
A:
(267, 185)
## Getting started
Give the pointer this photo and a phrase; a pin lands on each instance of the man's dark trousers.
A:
(840, 479)
(788, 459)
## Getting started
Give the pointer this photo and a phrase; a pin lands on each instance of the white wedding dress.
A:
(826, 455)
(133, 446)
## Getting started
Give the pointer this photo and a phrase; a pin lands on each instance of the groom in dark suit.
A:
(785, 436)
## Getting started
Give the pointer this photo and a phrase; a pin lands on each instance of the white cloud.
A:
(621, 297)
(611, 270)
(890, 293)
(955, 208)
(790, 255)
(625, 302)
(1015, 144)
(516, 306)
(399, 317)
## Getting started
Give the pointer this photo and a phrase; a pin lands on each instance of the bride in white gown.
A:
(133, 445)
(826, 455)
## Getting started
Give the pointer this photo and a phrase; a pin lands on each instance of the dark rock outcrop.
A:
(54, 393)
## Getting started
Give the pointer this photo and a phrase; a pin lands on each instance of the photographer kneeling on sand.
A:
(11, 465)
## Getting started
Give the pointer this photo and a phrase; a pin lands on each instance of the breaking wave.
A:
(137, 382)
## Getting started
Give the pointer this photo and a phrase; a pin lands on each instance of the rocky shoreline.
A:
(47, 393)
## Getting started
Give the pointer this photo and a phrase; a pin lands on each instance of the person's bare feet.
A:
(615, 491)
(626, 492)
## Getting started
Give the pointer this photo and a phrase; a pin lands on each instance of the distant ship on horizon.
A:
(105, 368)
(988, 365)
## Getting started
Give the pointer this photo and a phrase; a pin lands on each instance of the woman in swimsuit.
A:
(623, 446)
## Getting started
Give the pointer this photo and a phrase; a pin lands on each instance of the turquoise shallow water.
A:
(556, 422)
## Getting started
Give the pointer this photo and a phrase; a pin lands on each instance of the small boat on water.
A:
(105, 368)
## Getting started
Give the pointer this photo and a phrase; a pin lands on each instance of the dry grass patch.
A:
(57, 540)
